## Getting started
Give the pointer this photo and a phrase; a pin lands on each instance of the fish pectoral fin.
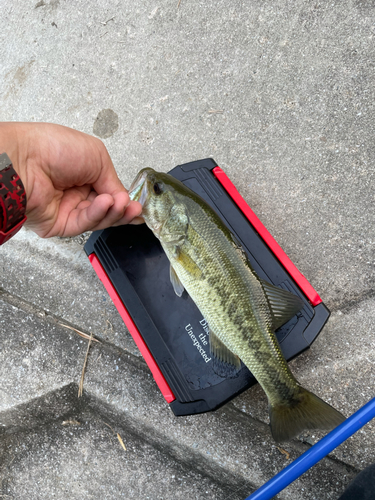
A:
(283, 304)
(221, 351)
(187, 262)
(175, 280)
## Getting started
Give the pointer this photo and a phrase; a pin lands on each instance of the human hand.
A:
(69, 179)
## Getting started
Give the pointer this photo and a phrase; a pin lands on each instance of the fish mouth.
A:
(138, 189)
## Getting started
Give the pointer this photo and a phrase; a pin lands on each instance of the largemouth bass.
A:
(242, 310)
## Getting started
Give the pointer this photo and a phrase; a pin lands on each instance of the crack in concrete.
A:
(346, 306)
(31, 308)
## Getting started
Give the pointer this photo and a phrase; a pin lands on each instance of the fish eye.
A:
(157, 188)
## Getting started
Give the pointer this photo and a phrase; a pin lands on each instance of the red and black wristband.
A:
(12, 200)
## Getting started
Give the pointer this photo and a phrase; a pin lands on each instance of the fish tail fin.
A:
(304, 411)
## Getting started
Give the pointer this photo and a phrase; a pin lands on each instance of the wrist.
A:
(12, 190)
(14, 138)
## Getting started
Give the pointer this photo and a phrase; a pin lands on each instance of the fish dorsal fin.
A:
(175, 280)
(283, 304)
(221, 351)
(241, 252)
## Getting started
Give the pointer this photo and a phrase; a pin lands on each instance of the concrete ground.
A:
(281, 94)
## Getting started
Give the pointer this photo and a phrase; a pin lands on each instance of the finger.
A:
(116, 218)
(71, 158)
(92, 195)
(84, 204)
(132, 213)
(104, 211)
(88, 215)
(137, 220)
(107, 180)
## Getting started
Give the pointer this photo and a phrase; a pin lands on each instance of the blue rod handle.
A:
(315, 453)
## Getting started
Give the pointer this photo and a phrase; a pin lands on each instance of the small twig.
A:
(71, 422)
(118, 436)
(121, 441)
(103, 34)
(80, 388)
(284, 452)
(105, 423)
(84, 335)
(216, 111)
(178, 6)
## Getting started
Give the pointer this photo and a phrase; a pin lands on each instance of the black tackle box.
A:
(169, 331)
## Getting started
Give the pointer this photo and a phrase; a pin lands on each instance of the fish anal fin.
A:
(175, 280)
(220, 351)
(283, 304)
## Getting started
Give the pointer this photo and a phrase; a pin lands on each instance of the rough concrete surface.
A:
(281, 94)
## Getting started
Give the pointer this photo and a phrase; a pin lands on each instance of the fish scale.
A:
(241, 310)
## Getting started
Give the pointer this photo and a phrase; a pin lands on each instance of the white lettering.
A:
(204, 324)
(202, 339)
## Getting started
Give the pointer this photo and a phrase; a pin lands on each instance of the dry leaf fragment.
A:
(80, 388)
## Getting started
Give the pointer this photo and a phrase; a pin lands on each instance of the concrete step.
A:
(228, 453)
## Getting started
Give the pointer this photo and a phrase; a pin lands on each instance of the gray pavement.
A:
(281, 94)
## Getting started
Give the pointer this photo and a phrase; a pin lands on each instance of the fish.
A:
(242, 310)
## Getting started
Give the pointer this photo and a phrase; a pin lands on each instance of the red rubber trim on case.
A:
(156, 373)
(279, 253)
